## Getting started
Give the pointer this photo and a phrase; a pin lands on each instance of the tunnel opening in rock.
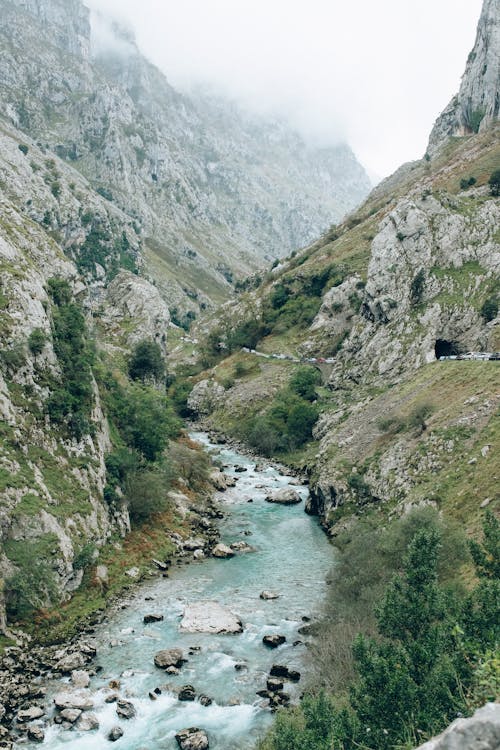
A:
(444, 348)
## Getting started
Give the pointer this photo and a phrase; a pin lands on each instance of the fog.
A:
(375, 74)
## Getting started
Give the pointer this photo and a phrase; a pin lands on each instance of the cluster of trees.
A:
(423, 657)
(72, 399)
(288, 423)
(138, 470)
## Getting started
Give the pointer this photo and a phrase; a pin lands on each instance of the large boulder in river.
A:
(222, 551)
(192, 739)
(73, 699)
(221, 481)
(285, 496)
(273, 641)
(269, 595)
(210, 617)
(169, 657)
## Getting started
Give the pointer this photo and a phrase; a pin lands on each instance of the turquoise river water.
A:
(292, 558)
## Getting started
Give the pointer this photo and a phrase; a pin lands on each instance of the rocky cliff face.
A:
(51, 483)
(212, 192)
(410, 276)
(477, 105)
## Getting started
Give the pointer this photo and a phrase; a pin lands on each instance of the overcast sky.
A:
(373, 72)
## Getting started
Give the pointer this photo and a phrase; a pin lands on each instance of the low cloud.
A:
(374, 73)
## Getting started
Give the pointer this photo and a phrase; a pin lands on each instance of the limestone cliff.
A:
(411, 276)
(212, 192)
(51, 482)
(477, 105)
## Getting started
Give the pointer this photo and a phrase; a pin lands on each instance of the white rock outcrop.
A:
(480, 732)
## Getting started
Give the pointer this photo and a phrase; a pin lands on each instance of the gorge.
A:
(152, 244)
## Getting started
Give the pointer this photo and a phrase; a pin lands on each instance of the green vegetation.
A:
(476, 118)
(32, 585)
(146, 362)
(23, 148)
(71, 401)
(288, 422)
(417, 287)
(303, 382)
(427, 643)
(494, 183)
(467, 182)
(15, 357)
(37, 340)
(489, 309)
(143, 423)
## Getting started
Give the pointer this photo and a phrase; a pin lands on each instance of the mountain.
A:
(477, 104)
(410, 276)
(212, 192)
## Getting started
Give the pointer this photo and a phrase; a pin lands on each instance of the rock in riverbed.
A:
(210, 617)
(68, 699)
(222, 551)
(187, 693)
(279, 670)
(36, 733)
(30, 714)
(242, 547)
(87, 723)
(284, 497)
(170, 657)
(273, 641)
(115, 733)
(192, 739)
(125, 709)
(152, 618)
(268, 595)
(80, 679)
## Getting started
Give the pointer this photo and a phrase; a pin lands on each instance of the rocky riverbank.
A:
(28, 665)
(216, 647)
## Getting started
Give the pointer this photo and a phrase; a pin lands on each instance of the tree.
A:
(494, 183)
(303, 382)
(413, 678)
(482, 608)
(37, 340)
(417, 287)
(146, 492)
(489, 310)
(148, 422)
(146, 362)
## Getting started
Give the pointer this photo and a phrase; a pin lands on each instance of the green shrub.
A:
(146, 362)
(15, 357)
(55, 188)
(37, 340)
(84, 557)
(360, 487)
(303, 382)
(467, 182)
(418, 415)
(417, 287)
(72, 399)
(146, 492)
(190, 463)
(391, 425)
(489, 309)
(105, 193)
(494, 183)
(23, 148)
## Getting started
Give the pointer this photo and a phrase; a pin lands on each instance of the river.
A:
(292, 558)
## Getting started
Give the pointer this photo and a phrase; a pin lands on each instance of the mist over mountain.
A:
(212, 192)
